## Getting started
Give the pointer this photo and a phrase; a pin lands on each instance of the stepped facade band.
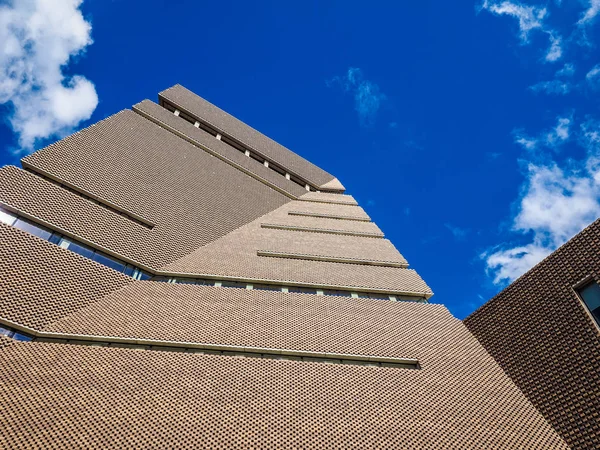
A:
(173, 278)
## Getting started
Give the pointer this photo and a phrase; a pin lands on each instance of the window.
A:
(233, 284)
(302, 290)
(109, 261)
(80, 249)
(266, 287)
(337, 293)
(7, 218)
(32, 228)
(590, 294)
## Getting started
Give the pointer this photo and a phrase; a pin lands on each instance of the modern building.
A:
(544, 331)
(172, 278)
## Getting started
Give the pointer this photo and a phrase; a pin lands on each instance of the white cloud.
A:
(567, 70)
(367, 96)
(555, 51)
(458, 233)
(552, 138)
(37, 39)
(556, 203)
(555, 87)
(591, 13)
(593, 76)
(530, 18)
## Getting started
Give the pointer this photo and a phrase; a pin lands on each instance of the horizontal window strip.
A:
(328, 216)
(121, 212)
(198, 123)
(321, 230)
(307, 257)
(332, 202)
(262, 286)
(56, 238)
(20, 333)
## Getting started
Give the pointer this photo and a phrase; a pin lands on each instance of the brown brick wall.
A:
(69, 396)
(219, 119)
(41, 282)
(191, 196)
(540, 334)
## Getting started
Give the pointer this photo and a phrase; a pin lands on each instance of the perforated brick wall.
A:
(191, 196)
(235, 255)
(540, 334)
(42, 282)
(4, 341)
(68, 396)
(166, 118)
(256, 318)
(229, 125)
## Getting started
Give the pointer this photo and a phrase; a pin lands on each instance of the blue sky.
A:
(469, 131)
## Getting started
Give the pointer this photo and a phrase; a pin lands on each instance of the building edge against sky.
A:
(174, 278)
(544, 331)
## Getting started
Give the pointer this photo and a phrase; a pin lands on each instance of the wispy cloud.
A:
(568, 70)
(552, 138)
(590, 13)
(368, 98)
(593, 77)
(459, 233)
(39, 38)
(555, 204)
(555, 87)
(530, 18)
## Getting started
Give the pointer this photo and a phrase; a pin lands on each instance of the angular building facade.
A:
(544, 331)
(172, 278)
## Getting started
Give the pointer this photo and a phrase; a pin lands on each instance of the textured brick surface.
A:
(255, 318)
(4, 341)
(540, 334)
(191, 196)
(68, 396)
(204, 139)
(235, 255)
(42, 282)
(229, 125)
(328, 198)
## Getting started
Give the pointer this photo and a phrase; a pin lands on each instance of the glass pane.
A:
(205, 282)
(379, 296)
(21, 337)
(6, 217)
(80, 249)
(129, 270)
(266, 287)
(591, 297)
(337, 293)
(302, 290)
(55, 238)
(32, 228)
(233, 284)
(109, 261)
(144, 276)
(185, 280)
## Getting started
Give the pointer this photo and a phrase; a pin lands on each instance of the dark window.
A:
(109, 261)
(302, 290)
(590, 294)
(234, 144)
(161, 279)
(337, 293)
(205, 282)
(379, 296)
(256, 157)
(233, 284)
(266, 287)
(32, 228)
(185, 281)
(277, 169)
(168, 106)
(81, 250)
(129, 270)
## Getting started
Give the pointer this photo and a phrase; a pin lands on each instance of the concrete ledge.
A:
(321, 230)
(365, 262)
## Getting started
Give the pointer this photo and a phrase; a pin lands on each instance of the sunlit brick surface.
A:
(4, 341)
(66, 396)
(42, 282)
(236, 255)
(256, 318)
(200, 137)
(219, 119)
(538, 331)
(191, 196)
